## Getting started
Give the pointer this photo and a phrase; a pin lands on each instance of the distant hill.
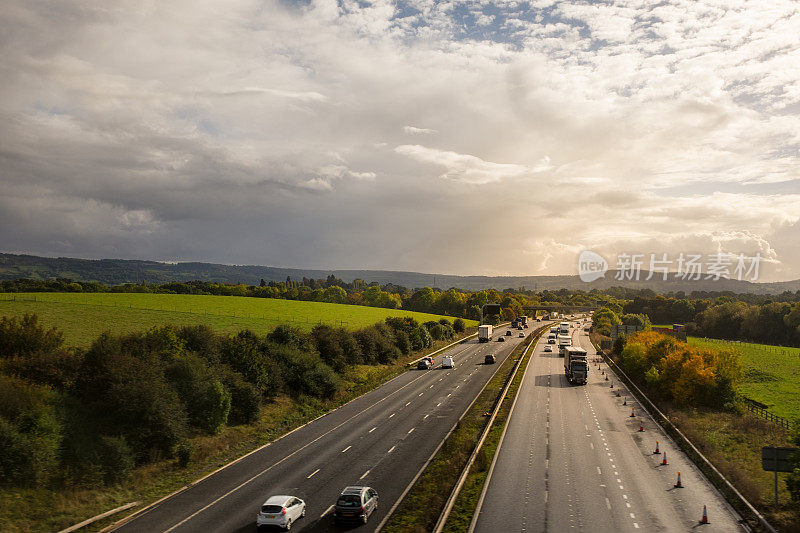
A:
(118, 271)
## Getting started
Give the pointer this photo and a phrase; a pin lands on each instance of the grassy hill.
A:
(771, 374)
(83, 316)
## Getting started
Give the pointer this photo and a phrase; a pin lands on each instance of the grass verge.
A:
(53, 509)
(421, 507)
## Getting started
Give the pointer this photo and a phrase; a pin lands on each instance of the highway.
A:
(380, 439)
(573, 459)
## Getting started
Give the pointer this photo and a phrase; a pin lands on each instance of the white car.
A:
(448, 362)
(548, 348)
(281, 511)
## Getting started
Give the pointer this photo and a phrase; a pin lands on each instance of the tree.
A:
(24, 337)
(459, 326)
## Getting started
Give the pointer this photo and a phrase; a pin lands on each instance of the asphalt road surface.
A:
(381, 440)
(573, 459)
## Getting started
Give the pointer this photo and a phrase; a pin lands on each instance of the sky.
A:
(489, 137)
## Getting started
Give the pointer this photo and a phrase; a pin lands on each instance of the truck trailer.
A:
(563, 328)
(563, 341)
(576, 367)
(485, 333)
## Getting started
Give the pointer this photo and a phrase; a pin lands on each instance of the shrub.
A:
(244, 354)
(245, 398)
(23, 337)
(115, 458)
(207, 401)
(459, 326)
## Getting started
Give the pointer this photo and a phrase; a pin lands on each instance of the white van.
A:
(447, 362)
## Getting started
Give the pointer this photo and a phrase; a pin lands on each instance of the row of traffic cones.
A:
(678, 483)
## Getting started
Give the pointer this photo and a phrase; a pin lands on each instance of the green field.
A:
(83, 316)
(771, 375)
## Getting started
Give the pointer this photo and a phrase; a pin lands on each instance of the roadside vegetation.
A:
(137, 415)
(697, 385)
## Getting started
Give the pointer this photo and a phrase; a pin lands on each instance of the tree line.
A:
(88, 416)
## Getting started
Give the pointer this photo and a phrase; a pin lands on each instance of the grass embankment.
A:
(423, 504)
(53, 509)
(84, 316)
(771, 374)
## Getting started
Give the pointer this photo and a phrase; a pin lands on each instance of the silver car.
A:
(281, 511)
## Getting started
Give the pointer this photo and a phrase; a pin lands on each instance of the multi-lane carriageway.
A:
(574, 459)
(381, 439)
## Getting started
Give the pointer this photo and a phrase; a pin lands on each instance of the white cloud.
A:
(411, 130)
(469, 168)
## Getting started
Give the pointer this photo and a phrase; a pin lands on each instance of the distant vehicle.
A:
(519, 328)
(538, 320)
(489, 359)
(548, 348)
(563, 328)
(424, 364)
(521, 334)
(526, 326)
(551, 341)
(355, 504)
(501, 339)
(576, 367)
(563, 342)
(280, 511)
(447, 361)
(485, 333)
(554, 329)
(429, 358)
(523, 320)
(508, 333)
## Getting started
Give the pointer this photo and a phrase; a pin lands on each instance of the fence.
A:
(753, 407)
(11, 297)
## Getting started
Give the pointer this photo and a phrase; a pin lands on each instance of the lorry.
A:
(576, 367)
(485, 333)
(563, 328)
(563, 341)
(554, 329)
(554, 315)
(524, 321)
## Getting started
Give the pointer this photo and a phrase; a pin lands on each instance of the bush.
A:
(116, 459)
(304, 373)
(245, 398)
(244, 354)
(24, 337)
(206, 399)
(30, 433)
(183, 453)
(459, 326)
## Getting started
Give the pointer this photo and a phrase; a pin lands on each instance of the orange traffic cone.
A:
(678, 484)
(656, 452)
(664, 459)
(632, 413)
(641, 426)
(618, 394)
(704, 520)
(625, 401)
(602, 372)
(611, 386)
(606, 378)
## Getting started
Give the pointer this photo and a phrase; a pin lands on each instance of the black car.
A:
(489, 359)
(501, 339)
(355, 504)
(423, 364)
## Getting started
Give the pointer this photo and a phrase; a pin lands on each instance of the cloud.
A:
(263, 132)
(411, 130)
(469, 168)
